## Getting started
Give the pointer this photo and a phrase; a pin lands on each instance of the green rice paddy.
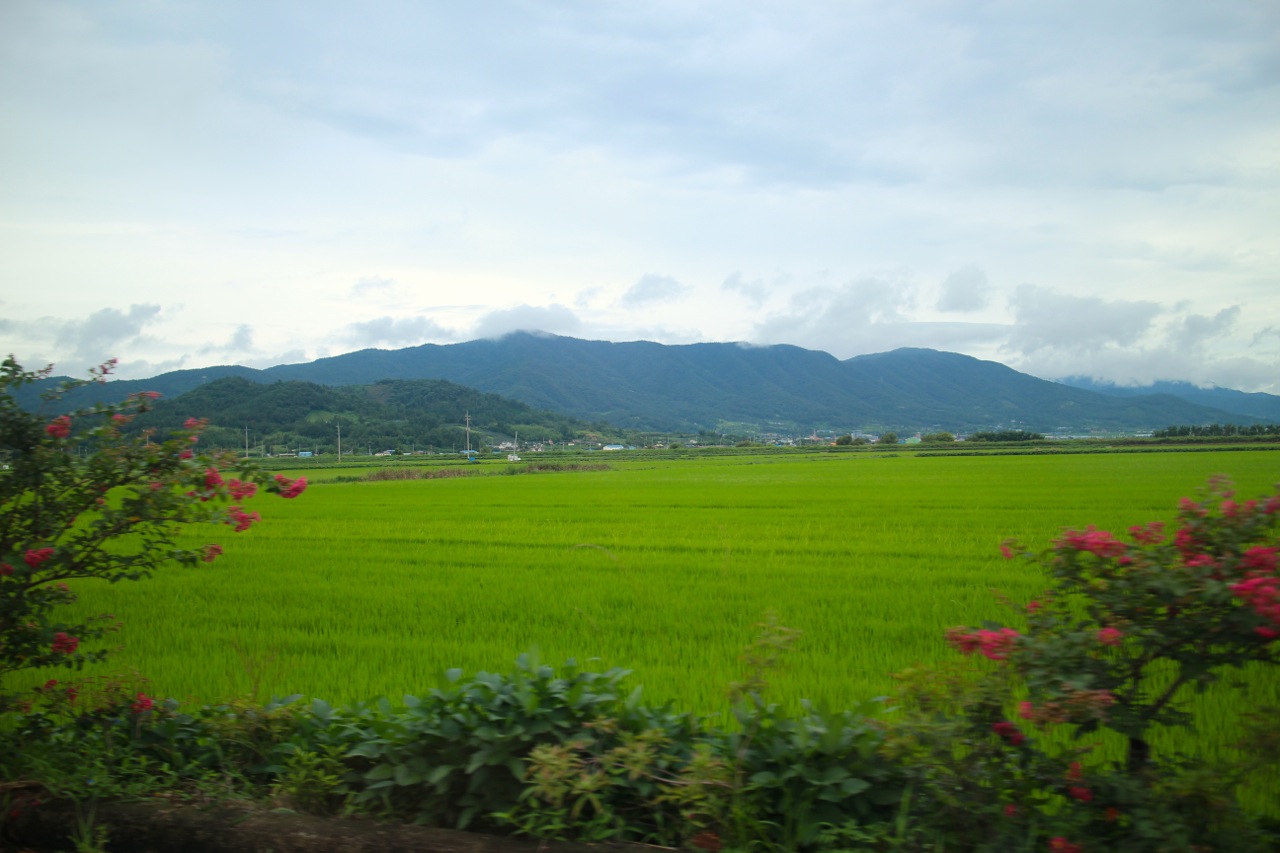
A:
(661, 566)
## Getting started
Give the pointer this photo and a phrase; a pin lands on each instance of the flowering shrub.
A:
(1123, 613)
(81, 500)
(1128, 625)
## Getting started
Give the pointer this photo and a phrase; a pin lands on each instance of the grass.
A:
(365, 589)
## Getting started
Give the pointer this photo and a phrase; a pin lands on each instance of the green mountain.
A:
(392, 414)
(648, 386)
(1257, 405)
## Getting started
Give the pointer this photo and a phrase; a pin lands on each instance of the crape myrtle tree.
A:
(1130, 626)
(79, 499)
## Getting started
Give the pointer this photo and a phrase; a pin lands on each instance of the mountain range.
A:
(737, 387)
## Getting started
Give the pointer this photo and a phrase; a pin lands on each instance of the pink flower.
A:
(1260, 559)
(1010, 810)
(1147, 534)
(1080, 793)
(1186, 542)
(1110, 636)
(5, 569)
(1006, 551)
(1094, 541)
(291, 489)
(150, 395)
(121, 419)
(1009, 732)
(995, 645)
(1075, 772)
(1026, 710)
(64, 644)
(211, 553)
(1033, 606)
(193, 423)
(241, 519)
(142, 704)
(59, 427)
(50, 684)
(186, 454)
(212, 479)
(1058, 844)
(1200, 561)
(36, 556)
(241, 491)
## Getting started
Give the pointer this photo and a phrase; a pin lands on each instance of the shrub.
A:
(1128, 625)
(81, 500)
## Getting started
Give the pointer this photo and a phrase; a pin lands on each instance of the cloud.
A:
(241, 341)
(756, 291)
(556, 319)
(654, 288)
(1047, 320)
(866, 315)
(103, 332)
(966, 289)
(371, 284)
(395, 332)
(293, 356)
(1197, 329)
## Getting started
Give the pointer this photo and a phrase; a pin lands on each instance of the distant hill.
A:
(391, 414)
(648, 386)
(1256, 405)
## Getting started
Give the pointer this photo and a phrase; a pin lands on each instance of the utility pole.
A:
(246, 441)
(339, 441)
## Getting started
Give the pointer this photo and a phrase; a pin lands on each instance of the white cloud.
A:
(405, 331)
(966, 289)
(103, 333)
(371, 284)
(652, 288)
(241, 341)
(1047, 319)
(555, 319)
(756, 290)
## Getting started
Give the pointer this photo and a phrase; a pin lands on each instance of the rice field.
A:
(660, 566)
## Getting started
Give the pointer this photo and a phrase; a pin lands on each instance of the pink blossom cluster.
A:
(995, 645)
(1110, 636)
(1147, 534)
(59, 427)
(241, 519)
(1093, 541)
(291, 488)
(1059, 844)
(241, 491)
(212, 479)
(64, 644)
(142, 703)
(1261, 591)
(1007, 731)
(36, 556)
(211, 553)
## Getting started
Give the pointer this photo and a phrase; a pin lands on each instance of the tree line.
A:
(1202, 430)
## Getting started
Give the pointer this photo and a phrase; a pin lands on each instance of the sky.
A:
(1069, 188)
